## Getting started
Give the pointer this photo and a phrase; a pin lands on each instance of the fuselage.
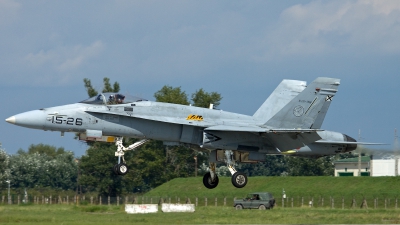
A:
(170, 123)
(288, 122)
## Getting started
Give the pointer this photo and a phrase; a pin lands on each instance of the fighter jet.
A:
(288, 122)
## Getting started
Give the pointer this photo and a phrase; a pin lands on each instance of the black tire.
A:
(207, 181)
(262, 207)
(122, 169)
(239, 179)
(238, 207)
(115, 169)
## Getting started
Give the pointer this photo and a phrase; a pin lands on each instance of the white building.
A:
(385, 167)
(349, 167)
(375, 167)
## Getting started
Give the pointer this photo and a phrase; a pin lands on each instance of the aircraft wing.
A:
(165, 119)
(236, 128)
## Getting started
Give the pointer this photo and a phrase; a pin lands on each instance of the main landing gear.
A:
(121, 168)
(239, 179)
(210, 179)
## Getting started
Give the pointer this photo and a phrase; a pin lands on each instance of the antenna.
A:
(396, 153)
(359, 153)
(396, 142)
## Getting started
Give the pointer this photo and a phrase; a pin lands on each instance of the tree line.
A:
(150, 166)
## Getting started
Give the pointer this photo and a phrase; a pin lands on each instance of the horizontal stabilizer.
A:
(349, 143)
(291, 140)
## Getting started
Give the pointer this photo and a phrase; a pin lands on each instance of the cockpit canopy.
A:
(112, 99)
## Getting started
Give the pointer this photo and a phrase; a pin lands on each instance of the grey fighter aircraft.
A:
(288, 122)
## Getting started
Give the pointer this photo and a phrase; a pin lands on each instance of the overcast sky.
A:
(241, 49)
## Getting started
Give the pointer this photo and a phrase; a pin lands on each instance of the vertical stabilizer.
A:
(308, 106)
(282, 95)
(321, 115)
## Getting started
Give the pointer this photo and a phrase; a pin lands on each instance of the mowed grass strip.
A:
(63, 214)
(296, 187)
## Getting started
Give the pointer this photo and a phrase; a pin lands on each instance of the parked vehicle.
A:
(256, 200)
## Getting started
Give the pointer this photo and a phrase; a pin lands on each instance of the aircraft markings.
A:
(194, 117)
(68, 121)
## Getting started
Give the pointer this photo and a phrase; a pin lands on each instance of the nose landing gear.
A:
(121, 168)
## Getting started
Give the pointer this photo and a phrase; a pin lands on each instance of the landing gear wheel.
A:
(239, 207)
(207, 181)
(239, 179)
(115, 169)
(261, 207)
(122, 169)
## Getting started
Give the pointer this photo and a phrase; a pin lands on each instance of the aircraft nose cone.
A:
(32, 119)
(11, 120)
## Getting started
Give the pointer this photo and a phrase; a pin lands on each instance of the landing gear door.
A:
(191, 135)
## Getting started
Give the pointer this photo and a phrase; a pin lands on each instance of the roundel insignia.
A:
(298, 110)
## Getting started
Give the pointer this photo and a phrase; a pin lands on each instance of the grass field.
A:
(307, 187)
(325, 192)
(386, 189)
(68, 214)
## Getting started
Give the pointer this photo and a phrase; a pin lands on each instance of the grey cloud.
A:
(63, 63)
(8, 11)
(321, 27)
(161, 40)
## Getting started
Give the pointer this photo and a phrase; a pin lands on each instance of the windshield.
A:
(112, 99)
(253, 196)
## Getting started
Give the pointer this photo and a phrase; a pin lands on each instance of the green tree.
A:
(28, 170)
(300, 166)
(4, 167)
(169, 94)
(149, 168)
(274, 165)
(203, 99)
(107, 87)
(96, 172)
(89, 88)
(46, 149)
